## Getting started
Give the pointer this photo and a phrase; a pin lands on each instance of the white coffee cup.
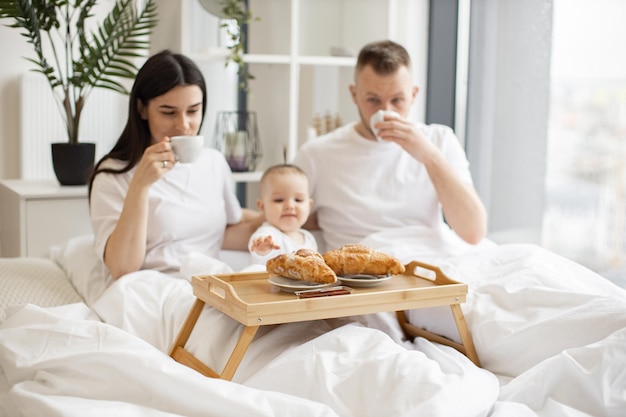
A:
(379, 116)
(187, 148)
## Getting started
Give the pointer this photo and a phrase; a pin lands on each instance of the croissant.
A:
(360, 259)
(303, 265)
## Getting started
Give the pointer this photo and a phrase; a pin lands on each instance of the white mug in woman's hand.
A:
(187, 148)
(379, 116)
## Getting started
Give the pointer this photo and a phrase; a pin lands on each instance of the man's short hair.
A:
(385, 57)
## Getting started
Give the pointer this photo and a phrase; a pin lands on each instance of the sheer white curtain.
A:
(507, 112)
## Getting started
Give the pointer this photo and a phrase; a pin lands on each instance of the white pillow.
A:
(235, 259)
(36, 281)
(86, 272)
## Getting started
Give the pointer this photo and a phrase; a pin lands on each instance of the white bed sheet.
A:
(551, 330)
(550, 334)
(65, 363)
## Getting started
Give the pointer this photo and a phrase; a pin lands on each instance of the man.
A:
(414, 175)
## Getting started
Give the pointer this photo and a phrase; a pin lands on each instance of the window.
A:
(585, 205)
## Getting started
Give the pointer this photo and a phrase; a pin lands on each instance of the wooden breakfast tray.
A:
(253, 301)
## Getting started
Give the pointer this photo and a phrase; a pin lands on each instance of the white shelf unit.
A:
(36, 215)
(290, 55)
(245, 177)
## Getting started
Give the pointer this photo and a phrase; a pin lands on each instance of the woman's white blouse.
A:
(189, 209)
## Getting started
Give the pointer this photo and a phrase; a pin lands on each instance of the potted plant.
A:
(236, 11)
(76, 56)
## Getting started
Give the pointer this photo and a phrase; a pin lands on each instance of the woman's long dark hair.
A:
(160, 73)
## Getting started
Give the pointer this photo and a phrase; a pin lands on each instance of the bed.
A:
(550, 334)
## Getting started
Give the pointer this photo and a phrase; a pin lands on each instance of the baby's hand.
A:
(263, 245)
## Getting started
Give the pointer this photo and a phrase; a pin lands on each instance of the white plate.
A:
(361, 280)
(293, 285)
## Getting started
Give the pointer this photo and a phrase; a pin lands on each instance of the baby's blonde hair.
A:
(280, 169)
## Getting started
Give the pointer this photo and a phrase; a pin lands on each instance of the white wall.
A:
(13, 48)
(221, 91)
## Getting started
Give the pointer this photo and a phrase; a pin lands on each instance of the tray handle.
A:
(219, 289)
(427, 271)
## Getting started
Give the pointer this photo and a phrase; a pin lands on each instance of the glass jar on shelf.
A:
(236, 135)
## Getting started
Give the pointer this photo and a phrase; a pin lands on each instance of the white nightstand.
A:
(36, 215)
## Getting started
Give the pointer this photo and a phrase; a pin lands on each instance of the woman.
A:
(147, 210)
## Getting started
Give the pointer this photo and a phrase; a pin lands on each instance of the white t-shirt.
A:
(189, 209)
(361, 186)
(287, 245)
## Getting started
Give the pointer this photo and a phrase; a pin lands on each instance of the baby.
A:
(285, 201)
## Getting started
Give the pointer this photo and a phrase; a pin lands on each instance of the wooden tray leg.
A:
(466, 336)
(240, 349)
(178, 351)
(467, 345)
(181, 355)
(188, 325)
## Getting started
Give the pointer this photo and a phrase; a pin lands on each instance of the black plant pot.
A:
(73, 163)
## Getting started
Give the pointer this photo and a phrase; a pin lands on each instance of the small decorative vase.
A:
(236, 135)
(73, 163)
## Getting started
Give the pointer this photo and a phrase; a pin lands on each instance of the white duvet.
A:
(551, 336)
